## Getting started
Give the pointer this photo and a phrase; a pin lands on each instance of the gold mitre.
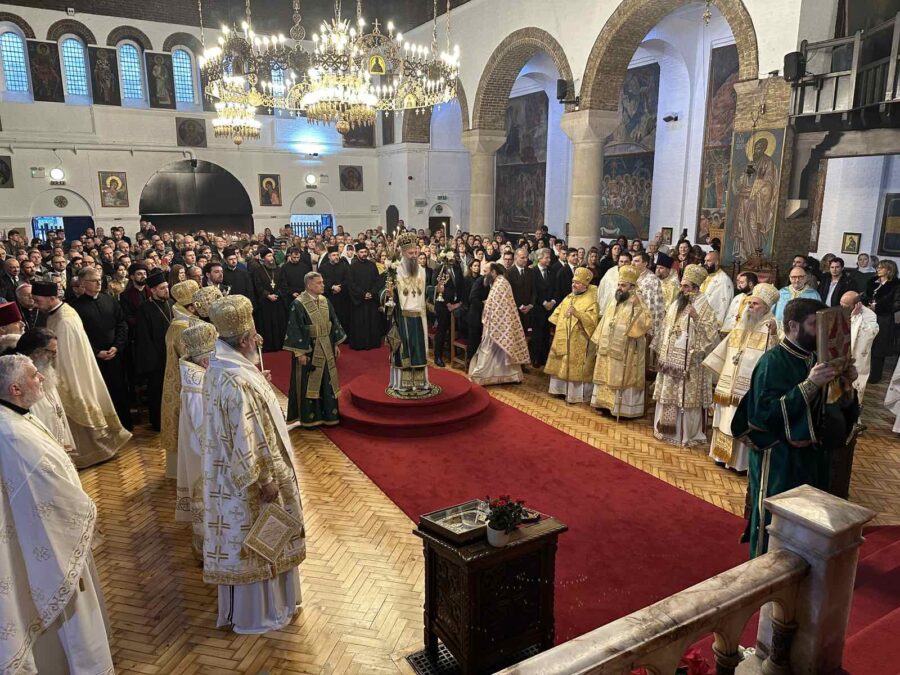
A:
(204, 298)
(583, 276)
(628, 274)
(407, 240)
(767, 293)
(199, 339)
(694, 274)
(183, 292)
(232, 315)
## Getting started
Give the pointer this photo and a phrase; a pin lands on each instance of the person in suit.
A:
(522, 282)
(833, 288)
(9, 281)
(544, 303)
(564, 275)
(451, 291)
(478, 293)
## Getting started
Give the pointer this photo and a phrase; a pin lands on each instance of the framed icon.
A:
(269, 189)
(666, 236)
(850, 243)
(113, 189)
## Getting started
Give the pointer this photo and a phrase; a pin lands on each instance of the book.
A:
(833, 336)
(273, 529)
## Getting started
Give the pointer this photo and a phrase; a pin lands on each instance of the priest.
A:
(183, 316)
(717, 287)
(683, 389)
(92, 417)
(732, 363)
(608, 284)
(289, 278)
(153, 320)
(621, 339)
(503, 348)
(247, 464)
(313, 335)
(271, 315)
(50, 599)
(570, 364)
(365, 285)
(667, 278)
(335, 273)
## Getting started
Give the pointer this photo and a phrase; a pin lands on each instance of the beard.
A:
(746, 290)
(806, 340)
(48, 370)
(710, 268)
(622, 296)
(683, 300)
(411, 267)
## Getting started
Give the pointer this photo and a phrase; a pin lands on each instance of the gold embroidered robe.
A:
(572, 353)
(170, 408)
(621, 339)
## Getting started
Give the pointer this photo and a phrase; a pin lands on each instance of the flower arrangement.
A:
(447, 255)
(505, 513)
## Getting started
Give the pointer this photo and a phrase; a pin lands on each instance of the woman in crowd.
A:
(176, 275)
(593, 264)
(610, 260)
(883, 298)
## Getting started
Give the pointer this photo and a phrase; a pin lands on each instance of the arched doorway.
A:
(60, 209)
(311, 213)
(392, 219)
(194, 194)
(439, 218)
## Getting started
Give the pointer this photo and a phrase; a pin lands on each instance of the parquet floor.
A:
(362, 580)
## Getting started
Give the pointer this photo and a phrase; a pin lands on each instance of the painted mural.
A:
(46, 76)
(104, 76)
(522, 165)
(362, 136)
(160, 81)
(753, 194)
(721, 101)
(628, 157)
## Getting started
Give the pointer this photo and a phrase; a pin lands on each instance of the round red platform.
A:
(366, 408)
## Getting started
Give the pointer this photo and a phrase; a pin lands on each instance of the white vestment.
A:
(245, 443)
(51, 608)
(719, 291)
(92, 417)
(606, 289)
(189, 490)
(49, 410)
(863, 330)
(892, 398)
(735, 311)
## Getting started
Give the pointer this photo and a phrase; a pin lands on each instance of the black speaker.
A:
(562, 90)
(794, 66)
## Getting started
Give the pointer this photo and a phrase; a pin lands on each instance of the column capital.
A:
(589, 126)
(483, 141)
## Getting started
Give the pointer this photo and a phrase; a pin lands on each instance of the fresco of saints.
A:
(757, 196)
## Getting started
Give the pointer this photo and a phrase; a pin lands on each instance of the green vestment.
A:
(314, 330)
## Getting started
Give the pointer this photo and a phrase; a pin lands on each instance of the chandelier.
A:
(235, 116)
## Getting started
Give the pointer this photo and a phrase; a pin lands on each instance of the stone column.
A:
(482, 145)
(587, 130)
(827, 533)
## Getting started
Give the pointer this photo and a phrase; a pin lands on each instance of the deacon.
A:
(95, 426)
(335, 273)
(778, 417)
(313, 335)
(717, 286)
(153, 320)
(863, 331)
(365, 285)
(570, 364)
(683, 390)
(183, 316)
(732, 362)
(50, 599)
(503, 348)
(198, 343)
(271, 317)
(621, 339)
(246, 464)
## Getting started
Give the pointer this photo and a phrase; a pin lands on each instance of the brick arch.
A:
(116, 35)
(624, 31)
(417, 128)
(27, 30)
(70, 26)
(192, 42)
(503, 68)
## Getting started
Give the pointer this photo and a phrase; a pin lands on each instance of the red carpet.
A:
(633, 539)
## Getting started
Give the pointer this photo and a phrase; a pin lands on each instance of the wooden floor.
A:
(362, 580)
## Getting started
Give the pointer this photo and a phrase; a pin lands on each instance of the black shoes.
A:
(439, 362)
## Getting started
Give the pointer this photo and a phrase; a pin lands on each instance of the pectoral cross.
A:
(272, 284)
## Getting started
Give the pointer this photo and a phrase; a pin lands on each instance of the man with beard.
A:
(271, 315)
(781, 417)
(213, 275)
(451, 298)
(621, 339)
(95, 425)
(570, 364)
(683, 390)
(238, 280)
(649, 289)
(606, 290)
(797, 288)
(746, 282)
(313, 335)
(51, 603)
(365, 320)
(717, 286)
(41, 346)
(544, 303)
(335, 273)
(26, 306)
(153, 320)
(732, 363)
(247, 463)
(289, 278)
(107, 332)
(667, 279)
(503, 348)
(864, 329)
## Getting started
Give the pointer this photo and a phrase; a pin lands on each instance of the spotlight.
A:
(57, 173)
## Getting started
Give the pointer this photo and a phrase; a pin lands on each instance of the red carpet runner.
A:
(633, 539)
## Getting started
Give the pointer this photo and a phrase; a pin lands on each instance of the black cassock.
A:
(338, 275)
(153, 319)
(366, 322)
(238, 282)
(290, 280)
(271, 317)
(106, 327)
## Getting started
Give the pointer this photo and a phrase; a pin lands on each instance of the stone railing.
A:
(804, 585)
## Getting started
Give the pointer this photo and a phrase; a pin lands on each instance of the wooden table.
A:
(488, 604)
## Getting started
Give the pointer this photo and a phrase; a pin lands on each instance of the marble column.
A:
(587, 129)
(482, 145)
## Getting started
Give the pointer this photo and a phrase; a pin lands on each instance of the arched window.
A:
(131, 73)
(14, 61)
(183, 71)
(74, 65)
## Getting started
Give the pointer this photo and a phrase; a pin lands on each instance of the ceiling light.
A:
(57, 173)
(311, 180)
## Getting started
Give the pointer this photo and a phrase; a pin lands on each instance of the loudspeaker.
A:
(794, 66)
(562, 90)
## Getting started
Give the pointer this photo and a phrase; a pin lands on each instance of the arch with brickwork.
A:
(23, 25)
(624, 31)
(417, 127)
(503, 68)
(116, 35)
(71, 27)
(192, 42)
